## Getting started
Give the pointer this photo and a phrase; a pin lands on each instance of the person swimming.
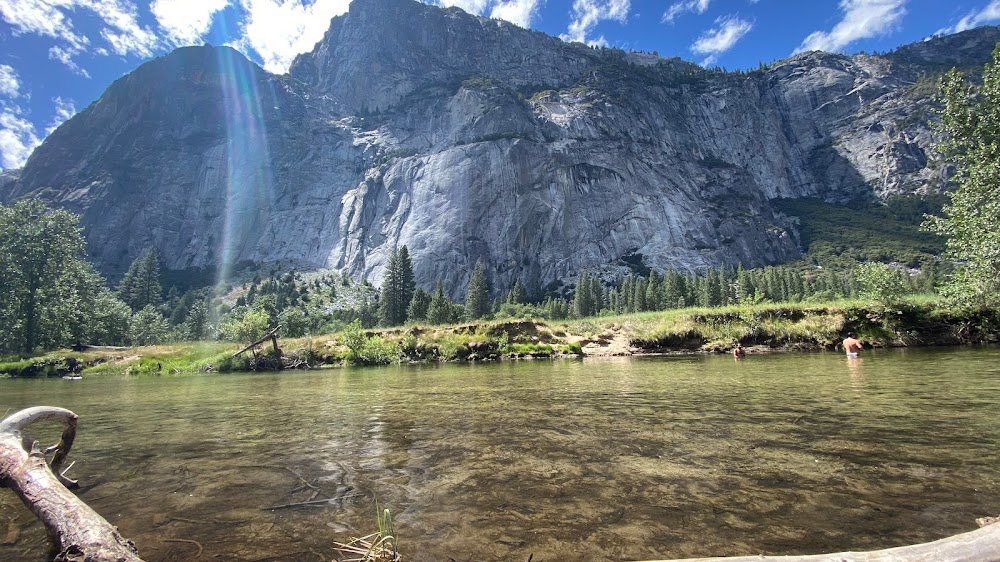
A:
(738, 351)
(852, 345)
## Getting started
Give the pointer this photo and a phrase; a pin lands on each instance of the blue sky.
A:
(57, 56)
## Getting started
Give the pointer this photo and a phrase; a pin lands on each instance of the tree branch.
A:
(76, 530)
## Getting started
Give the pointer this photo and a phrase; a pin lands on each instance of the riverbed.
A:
(611, 459)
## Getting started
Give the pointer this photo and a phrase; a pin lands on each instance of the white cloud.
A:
(186, 21)
(123, 32)
(990, 13)
(17, 138)
(518, 12)
(277, 30)
(65, 56)
(476, 7)
(118, 27)
(64, 110)
(9, 84)
(678, 8)
(588, 13)
(42, 17)
(713, 42)
(862, 19)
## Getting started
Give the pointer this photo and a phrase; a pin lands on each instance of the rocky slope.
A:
(471, 139)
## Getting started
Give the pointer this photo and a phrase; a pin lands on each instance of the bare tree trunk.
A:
(78, 533)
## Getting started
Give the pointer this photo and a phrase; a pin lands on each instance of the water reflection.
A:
(596, 460)
(856, 370)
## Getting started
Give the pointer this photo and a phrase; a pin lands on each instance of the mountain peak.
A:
(381, 51)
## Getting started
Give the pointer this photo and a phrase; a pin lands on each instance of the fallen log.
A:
(271, 334)
(975, 546)
(77, 531)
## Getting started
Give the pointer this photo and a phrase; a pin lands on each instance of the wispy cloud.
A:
(277, 30)
(121, 28)
(17, 138)
(185, 22)
(65, 56)
(118, 27)
(862, 19)
(10, 86)
(64, 109)
(476, 7)
(684, 6)
(988, 14)
(588, 13)
(41, 17)
(719, 39)
(518, 12)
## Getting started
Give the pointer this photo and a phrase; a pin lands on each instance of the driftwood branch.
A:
(271, 334)
(77, 531)
(974, 546)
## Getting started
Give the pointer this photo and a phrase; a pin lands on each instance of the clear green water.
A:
(622, 459)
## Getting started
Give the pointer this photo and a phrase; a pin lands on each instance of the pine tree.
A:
(477, 304)
(596, 294)
(419, 305)
(654, 295)
(397, 289)
(140, 287)
(639, 295)
(517, 294)
(744, 286)
(583, 304)
(712, 289)
(407, 284)
(439, 310)
(673, 290)
(388, 310)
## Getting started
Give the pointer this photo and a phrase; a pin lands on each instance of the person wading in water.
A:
(852, 345)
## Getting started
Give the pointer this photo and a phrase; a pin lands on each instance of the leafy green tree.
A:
(477, 300)
(247, 328)
(294, 322)
(880, 283)
(107, 322)
(148, 327)
(47, 290)
(970, 127)
(141, 284)
(364, 350)
(196, 323)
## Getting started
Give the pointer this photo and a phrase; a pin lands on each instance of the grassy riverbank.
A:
(760, 327)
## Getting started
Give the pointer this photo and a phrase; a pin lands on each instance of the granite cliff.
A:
(471, 139)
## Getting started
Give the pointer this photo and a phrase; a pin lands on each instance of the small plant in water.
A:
(379, 546)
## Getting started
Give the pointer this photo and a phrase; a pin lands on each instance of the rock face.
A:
(472, 139)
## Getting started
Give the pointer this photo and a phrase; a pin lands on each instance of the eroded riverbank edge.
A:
(763, 328)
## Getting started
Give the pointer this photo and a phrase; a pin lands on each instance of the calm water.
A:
(623, 459)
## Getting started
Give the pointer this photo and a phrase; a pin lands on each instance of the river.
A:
(617, 459)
